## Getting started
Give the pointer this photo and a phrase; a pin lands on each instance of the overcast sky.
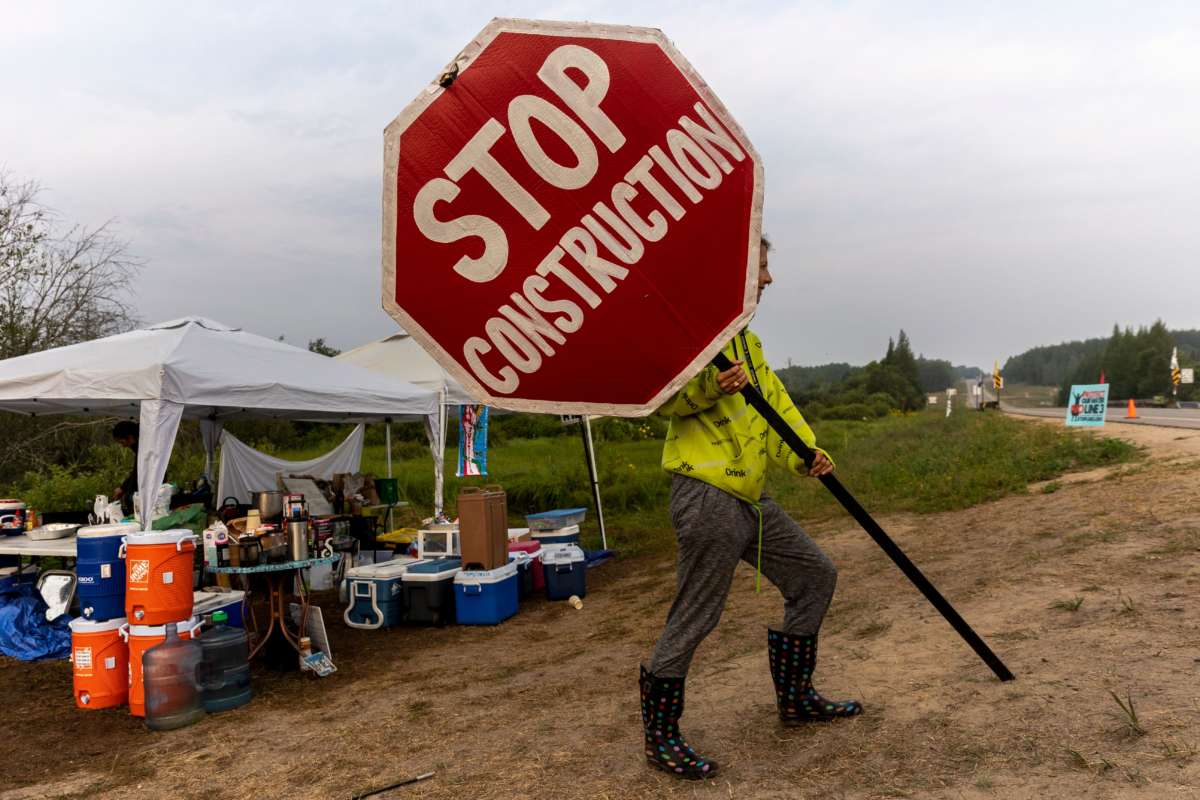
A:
(987, 176)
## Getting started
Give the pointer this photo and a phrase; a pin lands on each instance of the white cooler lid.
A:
(82, 625)
(566, 554)
(393, 568)
(159, 537)
(112, 529)
(473, 576)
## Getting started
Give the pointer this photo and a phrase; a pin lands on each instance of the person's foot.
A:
(666, 749)
(793, 659)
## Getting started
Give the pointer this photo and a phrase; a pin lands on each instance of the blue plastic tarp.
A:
(24, 632)
(597, 557)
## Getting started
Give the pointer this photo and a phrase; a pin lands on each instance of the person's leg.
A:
(797, 566)
(806, 577)
(711, 528)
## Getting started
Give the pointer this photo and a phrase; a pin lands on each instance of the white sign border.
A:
(391, 161)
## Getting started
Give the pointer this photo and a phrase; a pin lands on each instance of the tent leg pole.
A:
(387, 438)
(589, 452)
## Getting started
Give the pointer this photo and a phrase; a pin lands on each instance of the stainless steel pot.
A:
(269, 504)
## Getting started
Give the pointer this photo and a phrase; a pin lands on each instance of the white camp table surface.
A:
(24, 546)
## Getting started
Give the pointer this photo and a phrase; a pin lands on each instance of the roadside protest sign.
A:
(1087, 404)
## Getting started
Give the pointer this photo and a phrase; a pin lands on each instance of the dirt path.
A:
(545, 705)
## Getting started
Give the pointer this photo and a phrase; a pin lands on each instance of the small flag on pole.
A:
(1102, 381)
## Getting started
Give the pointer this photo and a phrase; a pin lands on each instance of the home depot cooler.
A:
(99, 663)
(483, 527)
(100, 571)
(141, 638)
(158, 576)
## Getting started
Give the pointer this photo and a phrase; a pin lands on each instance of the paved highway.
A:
(1162, 417)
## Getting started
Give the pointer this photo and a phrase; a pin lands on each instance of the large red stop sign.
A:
(571, 219)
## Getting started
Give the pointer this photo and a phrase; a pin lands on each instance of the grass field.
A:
(922, 463)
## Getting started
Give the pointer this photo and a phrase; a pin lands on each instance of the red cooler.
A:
(534, 549)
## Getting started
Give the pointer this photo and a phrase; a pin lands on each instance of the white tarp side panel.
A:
(156, 439)
(245, 470)
(210, 434)
(435, 429)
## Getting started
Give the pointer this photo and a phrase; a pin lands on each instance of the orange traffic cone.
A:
(1132, 412)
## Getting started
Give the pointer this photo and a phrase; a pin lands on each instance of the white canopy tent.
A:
(400, 356)
(205, 370)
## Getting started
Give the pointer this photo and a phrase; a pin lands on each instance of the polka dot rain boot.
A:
(793, 659)
(662, 706)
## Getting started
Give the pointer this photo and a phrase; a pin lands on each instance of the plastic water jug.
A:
(225, 666)
(169, 672)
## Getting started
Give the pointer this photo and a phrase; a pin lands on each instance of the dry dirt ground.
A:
(1086, 588)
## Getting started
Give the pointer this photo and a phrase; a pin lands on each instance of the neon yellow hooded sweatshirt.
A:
(719, 439)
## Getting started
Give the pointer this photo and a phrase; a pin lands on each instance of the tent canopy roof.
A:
(400, 356)
(213, 370)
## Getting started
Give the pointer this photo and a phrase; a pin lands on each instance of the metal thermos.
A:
(298, 539)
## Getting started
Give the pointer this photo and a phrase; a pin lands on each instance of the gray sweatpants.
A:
(714, 530)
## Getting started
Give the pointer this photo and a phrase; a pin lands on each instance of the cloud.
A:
(989, 178)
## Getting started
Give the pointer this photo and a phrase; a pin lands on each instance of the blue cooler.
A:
(100, 571)
(231, 602)
(566, 572)
(486, 596)
(429, 591)
(567, 535)
(375, 594)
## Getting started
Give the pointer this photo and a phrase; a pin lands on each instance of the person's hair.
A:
(766, 243)
(125, 429)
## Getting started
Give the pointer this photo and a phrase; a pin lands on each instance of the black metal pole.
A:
(835, 487)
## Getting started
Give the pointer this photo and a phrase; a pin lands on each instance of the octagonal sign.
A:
(571, 219)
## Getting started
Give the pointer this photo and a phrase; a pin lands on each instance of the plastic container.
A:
(10, 578)
(375, 594)
(388, 490)
(556, 519)
(567, 535)
(224, 666)
(99, 663)
(232, 603)
(483, 527)
(170, 672)
(141, 638)
(429, 591)
(485, 597)
(158, 576)
(438, 544)
(12, 517)
(100, 571)
(533, 566)
(566, 572)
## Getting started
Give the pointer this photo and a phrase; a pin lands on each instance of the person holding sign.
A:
(718, 447)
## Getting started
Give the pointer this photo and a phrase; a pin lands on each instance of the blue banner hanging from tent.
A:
(472, 440)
